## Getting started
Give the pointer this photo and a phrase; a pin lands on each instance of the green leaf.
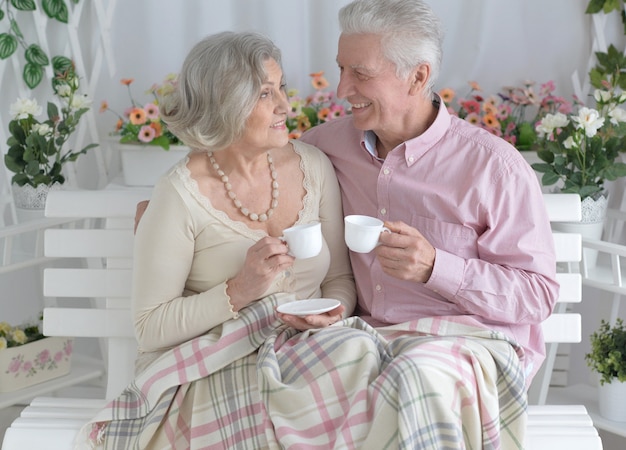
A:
(12, 164)
(549, 178)
(18, 133)
(594, 6)
(61, 65)
(1, 14)
(21, 179)
(24, 5)
(34, 54)
(612, 5)
(33, 74)
(8, 45)
(161, 141)
(56, 9)
(52, 7)
(53, 111)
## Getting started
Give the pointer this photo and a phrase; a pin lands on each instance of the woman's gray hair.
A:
(411, 32)
(217, 89)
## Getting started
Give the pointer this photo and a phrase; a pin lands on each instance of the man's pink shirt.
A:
(477, 201)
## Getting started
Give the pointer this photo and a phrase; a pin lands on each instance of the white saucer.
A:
(309, 306)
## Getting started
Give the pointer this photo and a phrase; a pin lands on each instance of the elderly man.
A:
(470, 238)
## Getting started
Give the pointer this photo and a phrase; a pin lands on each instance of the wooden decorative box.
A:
(34, 363)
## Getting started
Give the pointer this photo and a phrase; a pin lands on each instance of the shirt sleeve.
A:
(163, 254)
(513, 279)
(339, 281)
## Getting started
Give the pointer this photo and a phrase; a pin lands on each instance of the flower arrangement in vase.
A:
(142, 123)
(37, 152)
(310, 111)
(511, 113)
(147, 147)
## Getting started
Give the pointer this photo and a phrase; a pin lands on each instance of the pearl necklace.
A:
(245, 211)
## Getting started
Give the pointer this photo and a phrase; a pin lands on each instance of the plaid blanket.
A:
(253, 383)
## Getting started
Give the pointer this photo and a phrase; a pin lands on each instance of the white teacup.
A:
(304, 241)
(362, 232)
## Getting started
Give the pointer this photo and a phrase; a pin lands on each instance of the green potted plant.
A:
(37, 153)
(608, 359)
(147, 147)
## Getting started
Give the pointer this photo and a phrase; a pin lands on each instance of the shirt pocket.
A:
(454, 238)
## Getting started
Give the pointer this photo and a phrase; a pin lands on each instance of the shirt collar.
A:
(418, 146)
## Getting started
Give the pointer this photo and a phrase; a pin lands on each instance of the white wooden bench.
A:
(51, 423)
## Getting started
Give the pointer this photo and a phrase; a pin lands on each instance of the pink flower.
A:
(152, 111)
(14, 365)
(68, 348)
(58, 356)
(504, 111)
(146, 134)
(27, 366)
(337, 111)
(471, 106)
(43, 357)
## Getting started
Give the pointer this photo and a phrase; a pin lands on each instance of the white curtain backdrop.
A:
(492, 42)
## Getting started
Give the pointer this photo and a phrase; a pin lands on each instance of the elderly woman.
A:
(209, 264)
(208, 245)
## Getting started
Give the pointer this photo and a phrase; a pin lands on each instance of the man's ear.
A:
(141, 208)
(419, 78)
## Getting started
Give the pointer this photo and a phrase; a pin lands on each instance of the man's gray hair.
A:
(411, 32)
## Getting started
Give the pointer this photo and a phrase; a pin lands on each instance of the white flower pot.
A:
(29, 198)
(142, 165)
(611, 399)
(34, 363)
(591, 226)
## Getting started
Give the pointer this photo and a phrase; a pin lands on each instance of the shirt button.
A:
(383, 211)
(386, 171)
(411, 158)
(379, 287)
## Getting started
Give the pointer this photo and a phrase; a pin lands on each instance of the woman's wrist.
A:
(231, 292)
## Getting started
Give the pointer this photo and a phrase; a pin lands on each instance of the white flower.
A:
(617, 115)
(42, 128)
(569, 143)
(550, 122)
(601, 95)
(64, 90)
(80, 101)
(24, 107)
(588, 120)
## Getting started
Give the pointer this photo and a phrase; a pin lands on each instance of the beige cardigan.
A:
(185, 250)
